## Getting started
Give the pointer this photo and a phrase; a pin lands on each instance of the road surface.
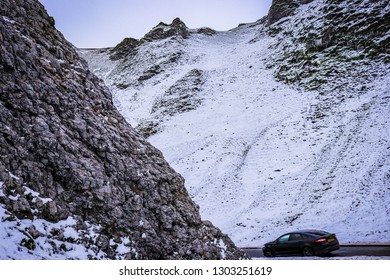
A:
(344, 251)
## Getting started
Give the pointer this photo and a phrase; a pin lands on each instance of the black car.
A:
(303, 242)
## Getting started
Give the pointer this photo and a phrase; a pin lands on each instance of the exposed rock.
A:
(148, 128)
(34, 232)
(124, 48)
(151, 72)
(21, 207)
(283, 8)
(325, 40)
(64, 140)
(163, 30)
(331, 43)
(29, 243)
(206, 31)
(182, 96)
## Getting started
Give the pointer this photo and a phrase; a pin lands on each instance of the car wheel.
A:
(307, 252)
(269, 254)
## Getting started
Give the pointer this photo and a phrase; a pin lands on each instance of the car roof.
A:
(311, 231)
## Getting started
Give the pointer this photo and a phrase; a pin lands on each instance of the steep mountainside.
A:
(76, 181)
(275, 125)
(283, 8)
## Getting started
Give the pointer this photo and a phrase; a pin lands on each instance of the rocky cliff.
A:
(73, 173)
(283, 8)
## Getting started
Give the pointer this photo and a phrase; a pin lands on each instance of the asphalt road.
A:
(344, 251)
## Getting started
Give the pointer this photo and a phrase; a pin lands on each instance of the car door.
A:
(281, 245)
(295, 244)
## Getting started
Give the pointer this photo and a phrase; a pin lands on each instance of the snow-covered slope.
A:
(259, 156)
(42, 239)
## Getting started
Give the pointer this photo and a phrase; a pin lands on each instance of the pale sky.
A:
(104, 23)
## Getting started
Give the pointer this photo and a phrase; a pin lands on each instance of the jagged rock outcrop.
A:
(163, 30)
(206, 31)
(177, 28)
(124, 48)
(66, 153)
(128, 46)
(283, 8)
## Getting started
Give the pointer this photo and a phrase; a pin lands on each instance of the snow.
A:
(13, 176)
(124, 247)
(252, 155)
(259, 156)
(99, 61)
(15, 232)
(222, 246)
(48, 244)
(35, 195)
(252, 149)
(7, 19)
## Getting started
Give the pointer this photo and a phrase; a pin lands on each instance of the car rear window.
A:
(318, 232)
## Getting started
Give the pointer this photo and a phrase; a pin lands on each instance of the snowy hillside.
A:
(259, 156)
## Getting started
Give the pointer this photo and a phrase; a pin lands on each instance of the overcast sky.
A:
(104, 23)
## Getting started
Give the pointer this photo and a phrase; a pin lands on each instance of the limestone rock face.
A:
(62, 138)
(163, 30)
(282, 8)
(124, 48)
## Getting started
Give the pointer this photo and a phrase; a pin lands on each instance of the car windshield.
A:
(283, 238)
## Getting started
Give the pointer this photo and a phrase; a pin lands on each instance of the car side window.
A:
(305, 236)
(295, 237)
(284, 238)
